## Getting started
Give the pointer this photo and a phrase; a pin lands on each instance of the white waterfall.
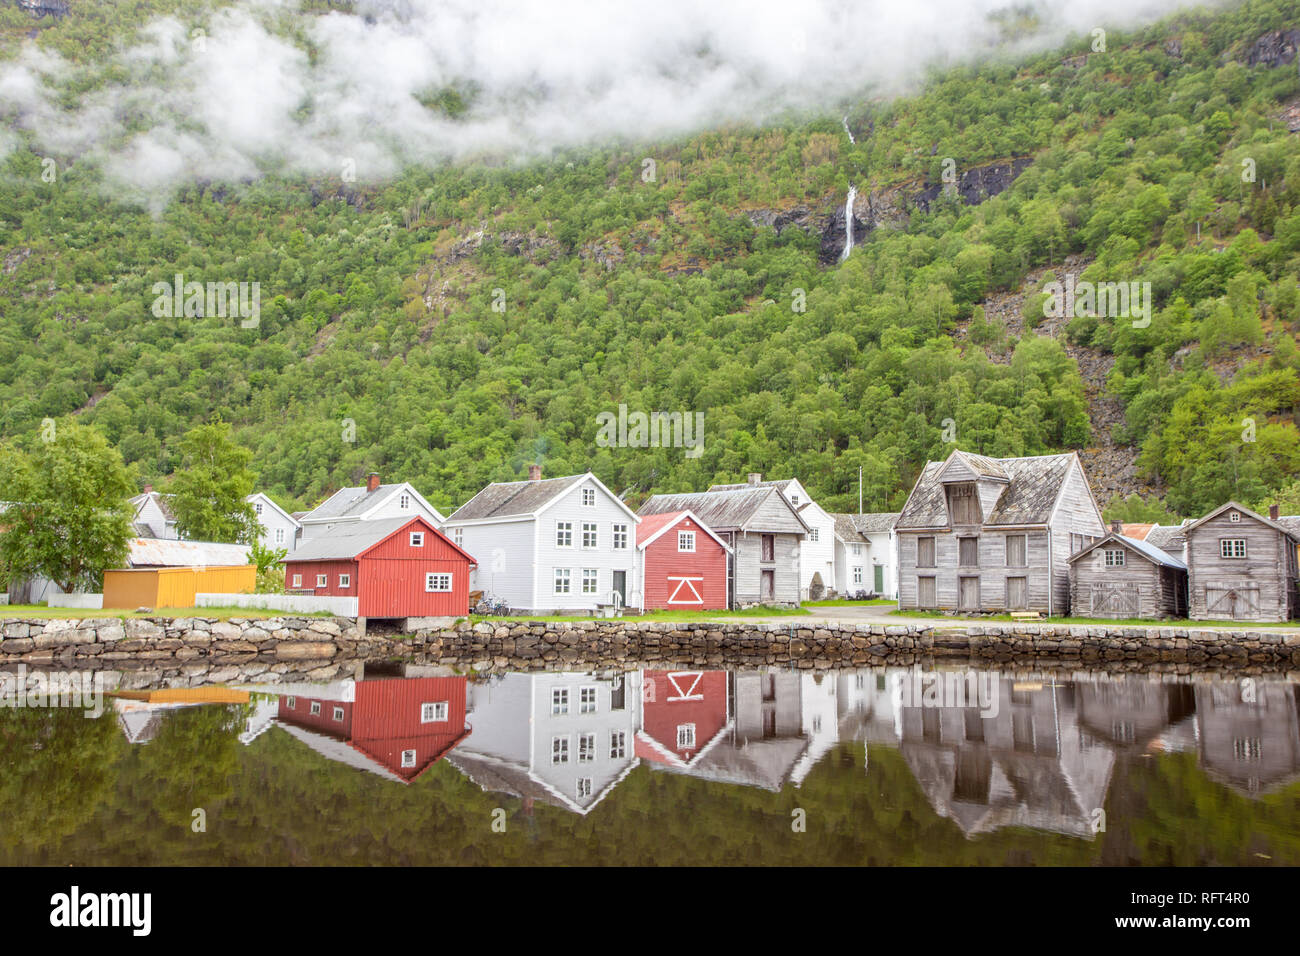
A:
(852, 141)
(848, 223)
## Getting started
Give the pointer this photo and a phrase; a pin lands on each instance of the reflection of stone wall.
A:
(183, 651)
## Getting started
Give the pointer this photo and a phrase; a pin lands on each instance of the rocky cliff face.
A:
(976, 184)
(1275, 48)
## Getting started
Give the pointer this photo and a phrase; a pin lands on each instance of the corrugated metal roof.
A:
(503, 499)
(173, 553)
(347, 541)
(1033, 487)
(723, 510)
(1142, 547)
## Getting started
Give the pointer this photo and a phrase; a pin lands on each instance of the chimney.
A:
(534, 472)
(755, 477)
(148, 489)
(372, 481)
(1273, 512)
(1116, 526)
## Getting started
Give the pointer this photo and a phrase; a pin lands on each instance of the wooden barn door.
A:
(1231, 601)
(968, 593)
(768, 587)
(1114, 600)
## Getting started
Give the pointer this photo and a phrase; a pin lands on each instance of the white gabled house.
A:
(548, 545)
(866, 553)
(279, 528)
(372, 501)
(153, 515)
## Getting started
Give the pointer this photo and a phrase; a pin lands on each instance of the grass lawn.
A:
(845, 602)
(1110, 621)
(657, 615)
(42, 611)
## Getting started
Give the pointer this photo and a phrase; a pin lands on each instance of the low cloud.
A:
(241, 97)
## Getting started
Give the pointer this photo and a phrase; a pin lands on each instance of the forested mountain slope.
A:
(461, 321)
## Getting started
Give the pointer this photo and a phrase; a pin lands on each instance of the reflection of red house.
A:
(397, 567)
(680, 563)
(683, 713)
(395, 728)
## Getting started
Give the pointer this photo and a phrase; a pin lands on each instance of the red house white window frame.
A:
(437, 582)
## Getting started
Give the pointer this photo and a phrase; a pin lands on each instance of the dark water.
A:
(879, 767)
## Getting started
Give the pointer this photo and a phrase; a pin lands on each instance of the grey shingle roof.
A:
(845, 528)
(782, 483)
(1033, 487)
(350, 502)
(875, 521)
(503, 499)
(347, 541)
(1168, 538)
(723, 510)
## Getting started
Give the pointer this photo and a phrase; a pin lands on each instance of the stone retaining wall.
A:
(194, 651)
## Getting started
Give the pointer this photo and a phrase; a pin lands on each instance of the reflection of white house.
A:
(817, 547)
(279, 528)
(566, 739)
(369, 502)
(819, 703)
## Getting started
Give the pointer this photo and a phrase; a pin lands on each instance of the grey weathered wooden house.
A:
(764, 531)
(985, 534)
(1122, 577)
(1241, 566)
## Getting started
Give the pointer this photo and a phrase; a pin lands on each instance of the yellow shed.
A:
(174, 587)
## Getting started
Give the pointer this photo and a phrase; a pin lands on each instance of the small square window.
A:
(297, 580)
(322, 581)
(685, 540)
(408, 758)
(345, 580)
(315, 708)
(437, 582)
(1114, 558)
(338, 713)
(291, 703)
(417, 539)
(433, 713)
(1232, 547)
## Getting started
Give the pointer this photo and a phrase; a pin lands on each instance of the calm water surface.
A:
(869, 767)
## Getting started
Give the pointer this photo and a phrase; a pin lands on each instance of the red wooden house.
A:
(683, 713)
(397, 567)
(396, 728)
(681, 563)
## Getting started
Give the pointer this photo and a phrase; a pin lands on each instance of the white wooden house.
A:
(153, 517)
(549, 545)
(866, 554)
(372, 501)
(817, 547)
(279, 528)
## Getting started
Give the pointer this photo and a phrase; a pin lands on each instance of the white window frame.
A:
(685, 736)
(593, 529)
(345, 580)
(589, 497)
(1114, 557)
(617, 744)
(857, 549)
(279, 536)
(458, 536)
(297, 580)
(590, 580)
(322, 580)
(559, 701)
(315, 708)
(562, 581)
(857, 574)
(586, 748)
(337, 713)
(417, 539)
(564, 534)
(620, 537)
(588, 699)
(560, 749)
(1228, 545)
(583, 788)
(403, 501)
(686, 542)
(438, 582)
(434, 712)
(291, 702)
(408, 758)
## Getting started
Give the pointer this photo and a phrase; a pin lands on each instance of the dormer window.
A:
(963, 506)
